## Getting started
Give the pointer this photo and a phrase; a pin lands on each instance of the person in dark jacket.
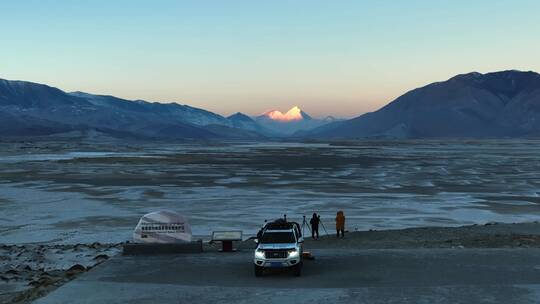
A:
(314, 226)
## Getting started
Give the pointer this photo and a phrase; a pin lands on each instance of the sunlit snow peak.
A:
(294, 114)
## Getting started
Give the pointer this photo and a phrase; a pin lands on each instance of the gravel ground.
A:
(31, 271)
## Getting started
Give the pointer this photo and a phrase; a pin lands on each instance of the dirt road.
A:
(335, 276)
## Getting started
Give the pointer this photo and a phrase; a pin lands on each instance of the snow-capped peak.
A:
(294, 114)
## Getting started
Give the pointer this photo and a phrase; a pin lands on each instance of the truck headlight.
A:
(293, 253)
(259, 254)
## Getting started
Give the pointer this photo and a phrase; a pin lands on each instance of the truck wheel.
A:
(297, 270)
(258, 271)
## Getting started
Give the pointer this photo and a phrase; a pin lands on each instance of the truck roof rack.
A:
(281, 225)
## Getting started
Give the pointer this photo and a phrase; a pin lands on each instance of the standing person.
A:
(314, 225)
(340, 223)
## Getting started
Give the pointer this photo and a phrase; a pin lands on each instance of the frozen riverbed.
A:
(71, 193)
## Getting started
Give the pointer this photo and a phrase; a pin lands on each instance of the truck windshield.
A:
(278, 237)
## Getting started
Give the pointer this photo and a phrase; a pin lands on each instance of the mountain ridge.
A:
(471, 105)
(38, 109)
(475, 105)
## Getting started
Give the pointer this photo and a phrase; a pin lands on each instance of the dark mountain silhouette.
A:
(500, 104)
(28, 108)
(474, 105)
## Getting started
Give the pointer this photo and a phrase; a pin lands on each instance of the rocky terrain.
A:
(29, 271)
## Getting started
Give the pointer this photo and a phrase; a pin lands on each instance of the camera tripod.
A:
(305, 224)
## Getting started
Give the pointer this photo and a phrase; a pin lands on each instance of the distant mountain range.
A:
(474, 105)
(290, 122)
(31, 109)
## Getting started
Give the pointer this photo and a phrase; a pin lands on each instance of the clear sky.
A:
(338, 58)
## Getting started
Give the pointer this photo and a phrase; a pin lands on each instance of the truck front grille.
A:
(275, 254)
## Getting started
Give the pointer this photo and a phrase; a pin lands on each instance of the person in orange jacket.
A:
(340, 223)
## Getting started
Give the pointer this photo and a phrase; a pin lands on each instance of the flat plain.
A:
(83, 192)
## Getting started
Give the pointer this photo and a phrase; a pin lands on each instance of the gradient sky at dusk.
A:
(338, 58)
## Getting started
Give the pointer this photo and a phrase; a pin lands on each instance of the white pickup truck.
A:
(279, 245)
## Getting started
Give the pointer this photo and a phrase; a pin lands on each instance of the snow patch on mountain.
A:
(294, 114)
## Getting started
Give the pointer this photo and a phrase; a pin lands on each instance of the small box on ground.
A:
(226, 238)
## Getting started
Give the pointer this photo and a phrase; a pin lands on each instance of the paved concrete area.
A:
(335, 276)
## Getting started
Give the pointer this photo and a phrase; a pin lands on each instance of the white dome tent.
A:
(163, 226)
